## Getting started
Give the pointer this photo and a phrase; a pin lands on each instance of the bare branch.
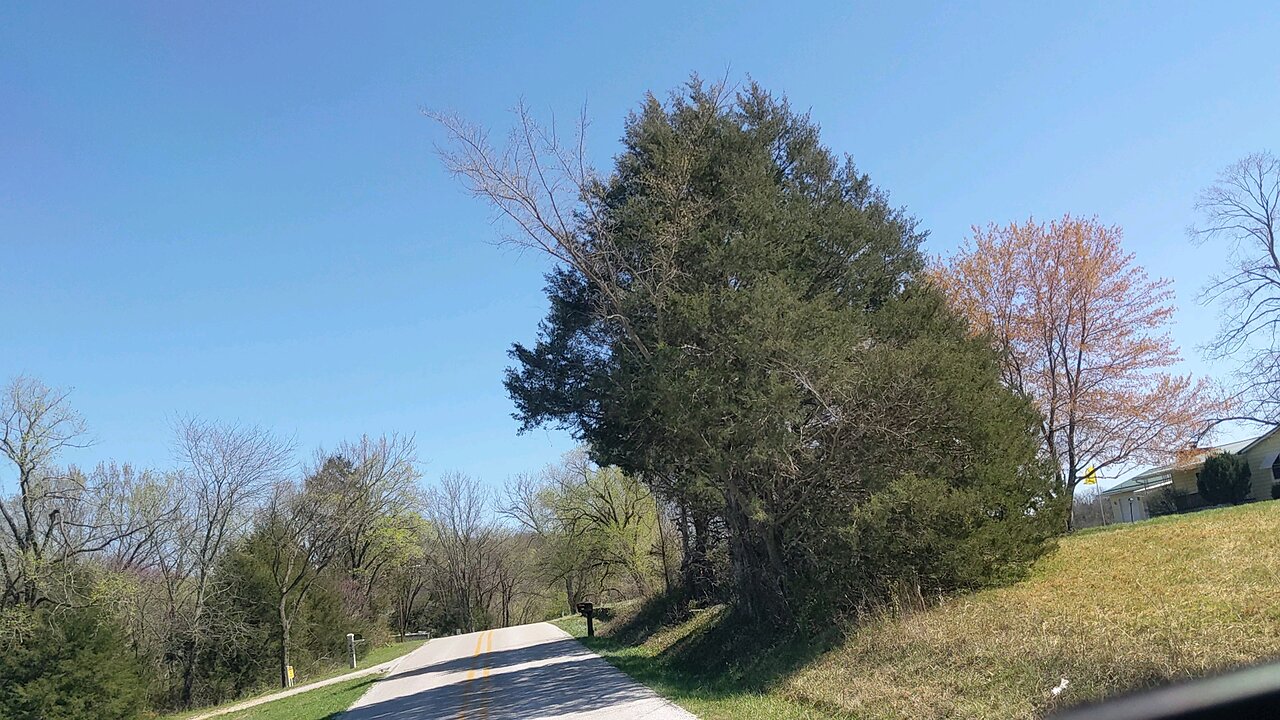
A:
(1240, 214)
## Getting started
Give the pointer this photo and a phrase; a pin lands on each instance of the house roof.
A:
(1154, 477)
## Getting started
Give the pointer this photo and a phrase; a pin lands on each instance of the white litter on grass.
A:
(1057, 689)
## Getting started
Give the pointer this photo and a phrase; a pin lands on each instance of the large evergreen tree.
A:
(738, 316)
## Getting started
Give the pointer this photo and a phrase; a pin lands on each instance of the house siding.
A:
(1260, 458)
(1184, 483)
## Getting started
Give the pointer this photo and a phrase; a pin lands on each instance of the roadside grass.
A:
(326, 703)
(1110, 611)
(376, 656)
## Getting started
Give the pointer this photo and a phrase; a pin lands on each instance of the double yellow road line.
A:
(485, 641)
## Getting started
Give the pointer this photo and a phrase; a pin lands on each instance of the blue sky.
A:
(237, 213)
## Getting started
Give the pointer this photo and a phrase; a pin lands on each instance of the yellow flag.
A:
(1090, 476)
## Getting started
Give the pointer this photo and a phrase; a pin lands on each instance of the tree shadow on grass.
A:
(722, 654)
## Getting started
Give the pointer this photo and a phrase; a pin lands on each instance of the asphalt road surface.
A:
(519, 673)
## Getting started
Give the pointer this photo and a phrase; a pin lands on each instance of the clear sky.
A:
(237, 213)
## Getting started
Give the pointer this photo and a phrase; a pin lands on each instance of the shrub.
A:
(1164, 502)
(1224, 479)
(70, 665)
(1275, 491)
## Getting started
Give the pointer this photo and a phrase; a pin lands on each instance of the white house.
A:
(1132, 499)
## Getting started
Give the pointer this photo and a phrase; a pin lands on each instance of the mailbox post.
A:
(588, 611)
(352, 639)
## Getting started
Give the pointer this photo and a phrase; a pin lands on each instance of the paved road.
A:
(518, 673)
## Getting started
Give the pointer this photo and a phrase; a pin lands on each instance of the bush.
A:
(1164, 502)
(1275, 491)
(70, 665)
(1224, 479)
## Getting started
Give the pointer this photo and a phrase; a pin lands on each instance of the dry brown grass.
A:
(1110, 611)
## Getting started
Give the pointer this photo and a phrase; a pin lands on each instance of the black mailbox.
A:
(588, 609)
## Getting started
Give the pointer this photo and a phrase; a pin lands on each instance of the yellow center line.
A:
(484, 698)
(471, 674)
(479, 641)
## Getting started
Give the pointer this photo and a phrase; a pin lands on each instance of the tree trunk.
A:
(701, 575)
(284, 645)
(666, 561)
(686, 548)
(1071, 482)
(188, 672)
(758, 571)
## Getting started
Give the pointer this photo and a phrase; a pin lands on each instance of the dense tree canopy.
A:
(739, 319)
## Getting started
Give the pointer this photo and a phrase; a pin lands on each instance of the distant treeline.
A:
(127, 589)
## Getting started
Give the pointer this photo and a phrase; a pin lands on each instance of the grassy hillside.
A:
(1110, 610)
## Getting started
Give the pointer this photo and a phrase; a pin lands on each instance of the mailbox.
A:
(588, 610)
(352, 640)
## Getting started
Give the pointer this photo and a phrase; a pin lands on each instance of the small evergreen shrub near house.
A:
(1275, 491)
(1224, 479)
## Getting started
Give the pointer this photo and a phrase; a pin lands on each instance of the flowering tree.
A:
(1081, 329)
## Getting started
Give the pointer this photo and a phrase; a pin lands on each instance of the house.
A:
(1142, 495)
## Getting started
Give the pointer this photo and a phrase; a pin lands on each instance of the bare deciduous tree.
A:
(305, 527)
(1241, 211)
(464, 532)
(136, 505)
(56, 515)
(228, 470)
(549, 190)
(383, 498)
